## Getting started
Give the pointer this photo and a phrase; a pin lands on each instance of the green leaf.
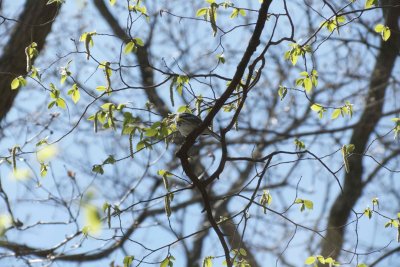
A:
(168, 261)
(92, 218)
(165, 174)
(386, 34)
(129, 47)
(207, 262)
(307, 84)
(235, 13)
(379, 28)
(309, 204)
(375, 202)
(98, 169)
(243, 252)
(304, 73)
(282, 91)
(321, 259)
(202, 12)
(316, 107)
(151, 132)
(43, 169)
(106, 206)
(340, 19)
(140, 145)
(15, 84)
(221, 58)
(299, 144)
(336, 113)
(368, 212)
(101, 88)
(389, 223)
(266, 200)
(61, 103)
(362, 265)
(138, 41)
(370, 3)
(51, 104)
(350, 148)
(183, 109)
(128, 261)
(310, 260)
(298, 201)
(106, 106)
(74, 93)
(109, 160)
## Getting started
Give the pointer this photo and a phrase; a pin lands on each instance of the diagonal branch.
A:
(142, 57)
(34, 24)
(362, 132)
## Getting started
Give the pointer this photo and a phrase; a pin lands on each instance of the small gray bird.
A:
(186, 123)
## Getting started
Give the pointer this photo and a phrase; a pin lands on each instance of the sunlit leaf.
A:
(336, 113)
(21, 174)
(310, 260)
(92, 219)
(46, 153)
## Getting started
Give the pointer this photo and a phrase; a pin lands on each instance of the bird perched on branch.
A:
(186, 123)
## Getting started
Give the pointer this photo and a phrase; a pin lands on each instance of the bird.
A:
(187, 122)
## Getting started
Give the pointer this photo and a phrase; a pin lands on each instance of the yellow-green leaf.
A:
(379, 27)
(307, 84)
(370, 3)
(310, 260)
(129, 47)
(386, 34)
(202, 11)
(309, 204)
(316, 107)
(15, 84)
(336, 113)
(61, 103)
(47, 153)
(207, 262)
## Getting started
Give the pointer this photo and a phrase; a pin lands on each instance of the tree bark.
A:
(34, 24)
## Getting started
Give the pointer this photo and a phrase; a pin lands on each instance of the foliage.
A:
(94, 153)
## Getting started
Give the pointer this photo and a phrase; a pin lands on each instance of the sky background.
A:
(81, 149)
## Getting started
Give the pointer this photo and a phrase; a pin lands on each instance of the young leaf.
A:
(316, 107)
(129, 47)
(307, 84)
(207, 262)
(310, 260)
(15, 84)
(336, 113)
(202, 12)
(74, 93)
(370, 3)
(368, 212)
(282, 91)
(379, 27)
(128, 261)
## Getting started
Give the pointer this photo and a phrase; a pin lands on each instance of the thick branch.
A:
(362, 132)
(142, 56)
(34, 25)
